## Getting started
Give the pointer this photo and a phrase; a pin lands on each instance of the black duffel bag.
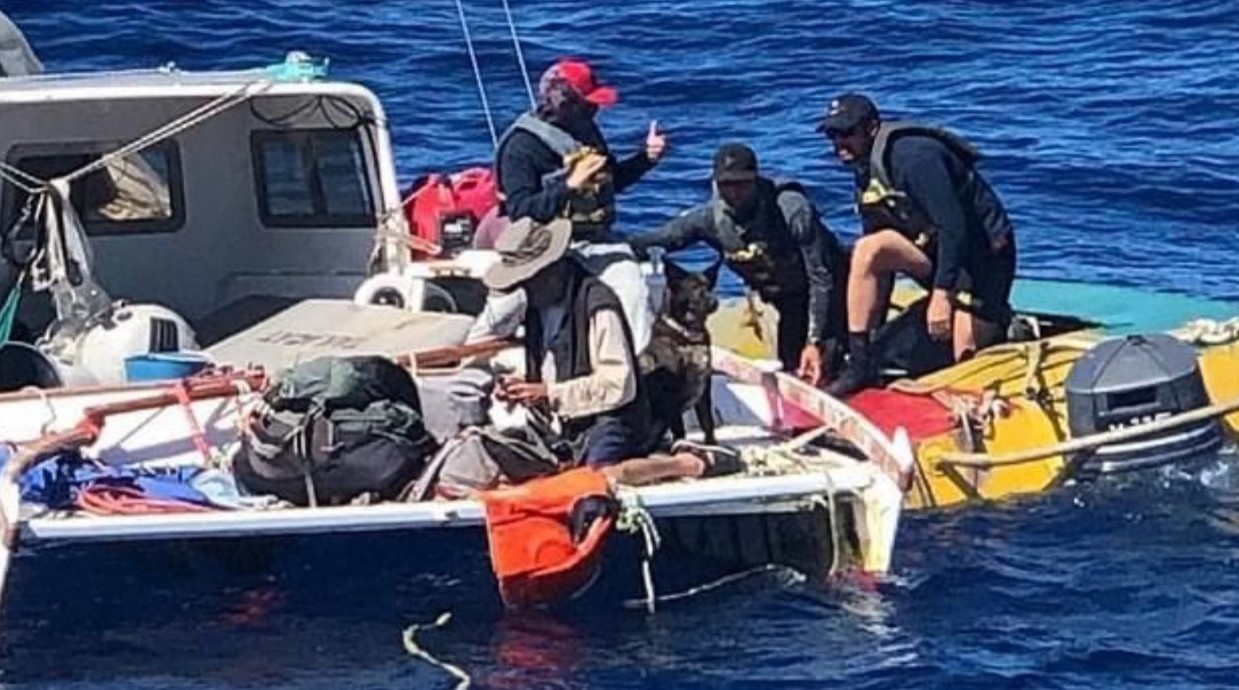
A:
(333, 429)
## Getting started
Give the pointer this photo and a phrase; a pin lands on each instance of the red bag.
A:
(444, 211)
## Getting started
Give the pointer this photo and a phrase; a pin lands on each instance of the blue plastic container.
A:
(160, 366)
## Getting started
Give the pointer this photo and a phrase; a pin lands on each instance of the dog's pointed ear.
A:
(712, 272)
(673, 271)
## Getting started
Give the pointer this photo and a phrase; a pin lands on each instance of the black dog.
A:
(676, 366)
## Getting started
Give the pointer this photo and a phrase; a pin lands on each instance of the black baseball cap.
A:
(847, 112)
(735, 163)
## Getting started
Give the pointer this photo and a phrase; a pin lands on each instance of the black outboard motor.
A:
(1137, 380)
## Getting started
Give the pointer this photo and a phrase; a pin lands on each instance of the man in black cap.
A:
(928, 213)
(770, 234)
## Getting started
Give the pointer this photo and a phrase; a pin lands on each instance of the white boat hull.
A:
(840, 511)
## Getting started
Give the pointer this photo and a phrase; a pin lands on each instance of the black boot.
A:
(861, 371)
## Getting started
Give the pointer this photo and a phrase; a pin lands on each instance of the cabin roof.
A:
(161, 83)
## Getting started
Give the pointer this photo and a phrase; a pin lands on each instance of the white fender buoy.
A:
(392, 290)
(405, 291)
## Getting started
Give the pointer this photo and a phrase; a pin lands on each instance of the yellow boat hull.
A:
(1027, 380)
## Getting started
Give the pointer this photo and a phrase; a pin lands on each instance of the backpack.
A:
(333, 429)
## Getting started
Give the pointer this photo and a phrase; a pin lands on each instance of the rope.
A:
(775, 460)
(196, 434)
(47, 403)
(102, 499)
(477, 73)
(180, 124)
(412, 647)
(1208, 332)
(752, 316)
(245, 395)
(983, 461)
(520, 56)
(21, 179)
(832, 515)
(413, 242)
(778, 459)
(715, 584)
(1035, 353)
(633, 518)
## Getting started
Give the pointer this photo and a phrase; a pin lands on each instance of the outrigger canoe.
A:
(797, 504)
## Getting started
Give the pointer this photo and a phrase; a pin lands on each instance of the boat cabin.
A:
(198, 192)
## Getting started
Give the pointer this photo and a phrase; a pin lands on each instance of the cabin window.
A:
(312, 178)
(140, 193)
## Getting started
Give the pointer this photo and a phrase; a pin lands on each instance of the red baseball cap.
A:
(580, 76)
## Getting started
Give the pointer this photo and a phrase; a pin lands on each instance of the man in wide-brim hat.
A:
(580, 362)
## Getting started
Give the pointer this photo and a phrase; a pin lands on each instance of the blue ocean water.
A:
(1110, 132)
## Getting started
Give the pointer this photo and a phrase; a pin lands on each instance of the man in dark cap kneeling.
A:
(928, 213)
(769, 233)
(580, 365)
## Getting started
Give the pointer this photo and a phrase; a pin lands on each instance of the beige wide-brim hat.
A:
(525, 248)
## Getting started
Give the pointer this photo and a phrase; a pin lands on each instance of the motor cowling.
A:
(1136, 380)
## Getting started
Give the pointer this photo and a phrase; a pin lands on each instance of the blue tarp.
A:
(56, 481)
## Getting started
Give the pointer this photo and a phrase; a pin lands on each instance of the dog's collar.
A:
(682, 330)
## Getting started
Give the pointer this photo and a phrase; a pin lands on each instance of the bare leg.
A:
(656, 468)
(875, 260)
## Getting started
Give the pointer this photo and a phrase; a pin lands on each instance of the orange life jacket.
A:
(532, 550)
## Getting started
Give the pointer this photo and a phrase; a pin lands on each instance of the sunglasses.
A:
(835, 133)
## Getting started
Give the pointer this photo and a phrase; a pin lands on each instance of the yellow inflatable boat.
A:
(1105, 380)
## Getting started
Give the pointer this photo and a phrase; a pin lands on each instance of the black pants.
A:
(984, 286)
(793, 331)
(794, 334)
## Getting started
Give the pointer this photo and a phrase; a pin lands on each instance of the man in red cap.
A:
(554, 163)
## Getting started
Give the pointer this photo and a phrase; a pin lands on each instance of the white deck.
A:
(161, 437)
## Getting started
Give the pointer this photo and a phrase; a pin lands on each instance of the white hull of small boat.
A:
(850, 507)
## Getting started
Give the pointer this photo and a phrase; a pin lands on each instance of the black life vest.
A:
(762, 250)
(571, 355)
(592, 211)
(880, 204)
